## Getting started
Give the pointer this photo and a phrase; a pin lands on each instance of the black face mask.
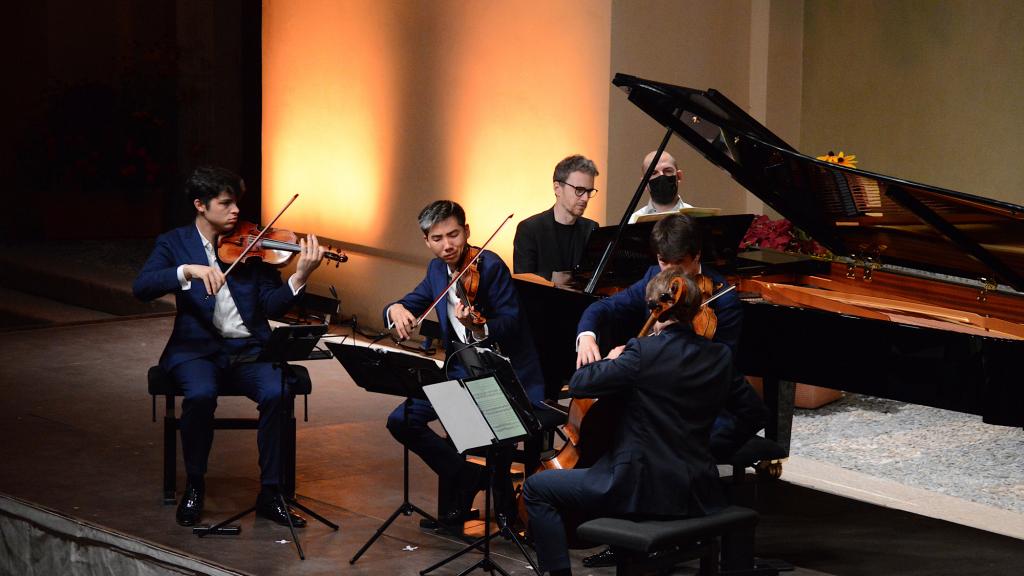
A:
(664, 189)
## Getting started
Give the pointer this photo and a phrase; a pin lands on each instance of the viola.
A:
(469, 283)
(275, 246)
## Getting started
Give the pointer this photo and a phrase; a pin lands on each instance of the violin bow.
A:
(256, 239)
(463, 271)
(720, 293)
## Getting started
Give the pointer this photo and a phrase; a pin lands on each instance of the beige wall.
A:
(748, 50)
(373, 109)
(929, 90)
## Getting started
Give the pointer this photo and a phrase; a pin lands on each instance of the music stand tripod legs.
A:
(486, 563)
(222, 528)
(406, 508)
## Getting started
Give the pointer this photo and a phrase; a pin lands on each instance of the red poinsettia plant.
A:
(781, 235)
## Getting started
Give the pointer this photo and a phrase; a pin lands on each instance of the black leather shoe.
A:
(190, 508)
(604, 558)
(451, 521)
(269, 506)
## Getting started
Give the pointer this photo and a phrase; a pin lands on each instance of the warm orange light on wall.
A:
(533, 89)
(372, 109)
(327, 115)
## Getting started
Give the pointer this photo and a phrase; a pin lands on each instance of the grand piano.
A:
(922, 303)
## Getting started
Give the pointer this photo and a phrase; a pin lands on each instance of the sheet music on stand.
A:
(476, 412)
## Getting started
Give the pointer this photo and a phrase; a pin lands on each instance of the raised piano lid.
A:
(851, 212)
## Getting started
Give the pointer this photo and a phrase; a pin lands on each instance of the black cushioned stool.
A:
(161, 384)
(643, 546)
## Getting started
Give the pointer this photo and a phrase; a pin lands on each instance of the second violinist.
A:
(445, 233)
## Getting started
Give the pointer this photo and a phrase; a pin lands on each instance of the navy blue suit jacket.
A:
(748, 414)
(669, 388)
(498, 302)
(630, 305)
(256, 288)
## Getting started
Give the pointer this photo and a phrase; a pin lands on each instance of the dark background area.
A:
(114, 102)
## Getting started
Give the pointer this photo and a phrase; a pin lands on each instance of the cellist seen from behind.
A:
(669, 387)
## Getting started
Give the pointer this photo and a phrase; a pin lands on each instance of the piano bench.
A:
(643, 546)
(161, 384)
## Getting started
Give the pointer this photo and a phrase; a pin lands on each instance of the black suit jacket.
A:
(535, 247)
(669, 388)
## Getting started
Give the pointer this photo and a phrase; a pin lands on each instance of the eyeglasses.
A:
(579, 190)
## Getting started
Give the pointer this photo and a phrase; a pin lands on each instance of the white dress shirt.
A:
(650, 209)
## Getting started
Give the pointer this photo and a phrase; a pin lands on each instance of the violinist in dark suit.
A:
(220, 318)
(445, 232)
(670, 386)
(553, 240)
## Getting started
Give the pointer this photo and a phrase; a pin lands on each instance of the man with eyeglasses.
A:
(553, 240)
(663, 187)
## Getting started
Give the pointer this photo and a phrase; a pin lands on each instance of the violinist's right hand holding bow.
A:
(212, 278)
(403, 322)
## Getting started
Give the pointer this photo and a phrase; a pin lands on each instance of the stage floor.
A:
(79, 439)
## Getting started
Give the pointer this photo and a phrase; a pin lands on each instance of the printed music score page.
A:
(474, 414)
(496, 408)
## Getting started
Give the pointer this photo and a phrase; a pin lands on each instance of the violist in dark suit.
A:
(553, 240)
(445, 233)
(220, 319)
(670, 387)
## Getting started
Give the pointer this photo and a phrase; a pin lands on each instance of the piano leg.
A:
(778, 397)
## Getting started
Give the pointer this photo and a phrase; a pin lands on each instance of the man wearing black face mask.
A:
(663, 187)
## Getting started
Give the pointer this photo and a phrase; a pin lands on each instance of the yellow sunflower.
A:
(843, 159)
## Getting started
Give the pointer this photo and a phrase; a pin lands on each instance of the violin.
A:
(276, 246)
(469, 283)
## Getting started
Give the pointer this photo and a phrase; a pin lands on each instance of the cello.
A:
(591, 423)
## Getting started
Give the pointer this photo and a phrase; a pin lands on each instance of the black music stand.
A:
(287, 343)
(491, 399)
(397, 374)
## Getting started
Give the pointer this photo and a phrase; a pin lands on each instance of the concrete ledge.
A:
(44, 542)
(858, 486)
